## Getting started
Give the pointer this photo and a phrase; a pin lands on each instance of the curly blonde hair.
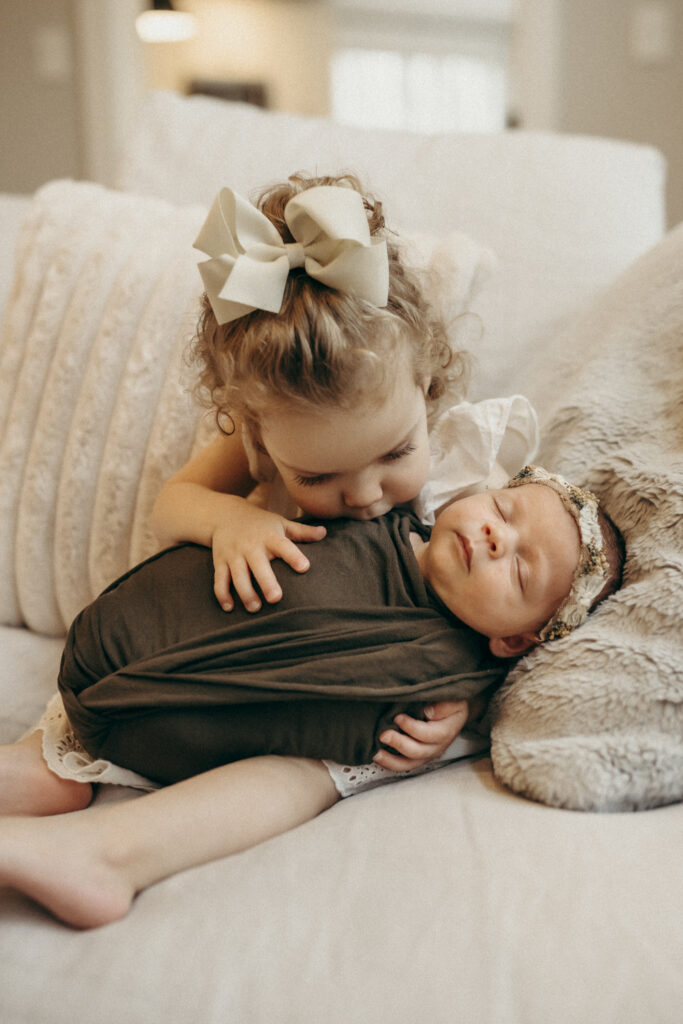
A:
(323, 347)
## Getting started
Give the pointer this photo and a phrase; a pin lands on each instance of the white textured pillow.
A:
(94, 415)
(595, 721)
(94, 406)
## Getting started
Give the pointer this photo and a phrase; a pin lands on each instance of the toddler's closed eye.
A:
(400, 453)
(311, 481)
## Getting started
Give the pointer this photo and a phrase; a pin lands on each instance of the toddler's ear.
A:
(513, 646)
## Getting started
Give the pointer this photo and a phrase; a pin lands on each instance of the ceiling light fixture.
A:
(163, 24)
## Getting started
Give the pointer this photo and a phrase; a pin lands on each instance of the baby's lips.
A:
(466, 548)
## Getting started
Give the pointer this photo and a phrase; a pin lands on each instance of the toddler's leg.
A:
(27, 786)
(87, 868)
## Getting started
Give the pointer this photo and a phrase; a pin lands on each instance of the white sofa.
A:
(477, 892)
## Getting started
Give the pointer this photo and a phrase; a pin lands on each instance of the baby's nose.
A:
(494, 537)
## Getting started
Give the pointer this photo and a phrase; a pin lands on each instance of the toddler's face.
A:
(356, 463)
(503, 561)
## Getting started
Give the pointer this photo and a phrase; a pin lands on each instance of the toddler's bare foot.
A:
(45, 859)
(27, 786)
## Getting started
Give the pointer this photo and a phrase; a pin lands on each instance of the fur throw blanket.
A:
(595, 721)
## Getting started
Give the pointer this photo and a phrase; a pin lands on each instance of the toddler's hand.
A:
(420, 742)
(244, 549)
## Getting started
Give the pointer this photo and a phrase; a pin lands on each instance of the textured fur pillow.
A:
(595, 721)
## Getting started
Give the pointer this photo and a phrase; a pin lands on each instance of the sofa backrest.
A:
(563, 214)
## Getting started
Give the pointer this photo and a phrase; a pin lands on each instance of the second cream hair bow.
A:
(249, 263)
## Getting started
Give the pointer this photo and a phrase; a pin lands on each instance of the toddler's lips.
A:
(365, 514)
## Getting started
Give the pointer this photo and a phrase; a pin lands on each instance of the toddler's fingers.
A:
(221, 586)
(243, 584)
(282, 547)
(262, 572)
(304, 531)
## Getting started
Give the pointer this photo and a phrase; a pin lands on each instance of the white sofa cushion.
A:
(563, 214)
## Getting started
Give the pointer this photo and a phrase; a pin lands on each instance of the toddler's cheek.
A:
(317, 507)
(409, 489)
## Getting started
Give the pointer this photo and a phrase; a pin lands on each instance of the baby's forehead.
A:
(527, 492)
(537, 501)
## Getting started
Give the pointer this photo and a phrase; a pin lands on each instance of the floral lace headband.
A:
(592, 571)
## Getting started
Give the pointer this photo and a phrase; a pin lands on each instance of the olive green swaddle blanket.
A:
(157, 678)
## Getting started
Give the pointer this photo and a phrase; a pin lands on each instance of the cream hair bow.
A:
(249, 262)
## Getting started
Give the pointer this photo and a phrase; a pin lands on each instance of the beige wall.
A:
(39, 118)
(577, 69)
(608, 90)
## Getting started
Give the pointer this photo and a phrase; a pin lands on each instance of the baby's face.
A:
(356, 463)
(503, 561)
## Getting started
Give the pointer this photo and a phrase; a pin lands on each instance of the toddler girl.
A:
(325, 383)
(325, 363)
(517, 566)
(327, 366)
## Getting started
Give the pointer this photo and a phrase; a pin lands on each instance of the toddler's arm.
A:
(205, 502)
(416, 742)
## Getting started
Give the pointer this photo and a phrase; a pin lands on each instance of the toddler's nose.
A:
(362, 491)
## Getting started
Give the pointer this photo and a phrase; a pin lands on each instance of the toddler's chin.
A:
(365, 514)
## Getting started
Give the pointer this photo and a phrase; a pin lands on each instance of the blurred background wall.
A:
(73, 72)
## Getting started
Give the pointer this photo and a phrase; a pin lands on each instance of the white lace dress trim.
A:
(65, 756)
(352, 779)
